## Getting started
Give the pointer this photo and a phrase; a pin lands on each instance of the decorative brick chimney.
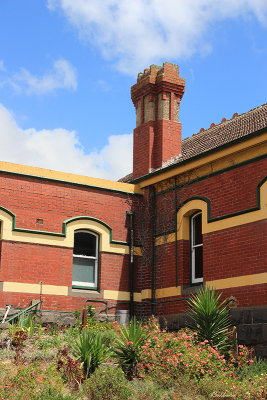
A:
(157, 136)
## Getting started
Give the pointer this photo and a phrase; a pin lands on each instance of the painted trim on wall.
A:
(214, 173)
(116, 295)
(10, 232)
(34, 288)
(238, 281)
(198, 203)
(68, 178)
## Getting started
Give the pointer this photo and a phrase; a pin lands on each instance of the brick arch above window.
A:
(203, 204)
(9, 231)
(97, 226)
(186, 210)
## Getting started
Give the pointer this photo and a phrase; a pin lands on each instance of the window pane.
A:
(83, 270)
(198, 262)
(197, 229)
(84, 244)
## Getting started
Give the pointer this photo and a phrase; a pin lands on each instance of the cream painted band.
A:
(116, 295)
(217, 160)
(192, 206)
(238, 281)
(67, 177)
(144, 294)
(68, 241)
(168, 292)
(34, 288)
(137, 251)
(227, 283)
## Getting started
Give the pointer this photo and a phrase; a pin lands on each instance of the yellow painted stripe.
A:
(227, 283)
(116, 295)
(68, 177)
(239, 281)
(20, 287)
(137, 251)
(168, 292)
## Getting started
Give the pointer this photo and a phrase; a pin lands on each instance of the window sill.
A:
(83, 292)
(191, 289)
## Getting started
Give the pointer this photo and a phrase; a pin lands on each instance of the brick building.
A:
(192, 212)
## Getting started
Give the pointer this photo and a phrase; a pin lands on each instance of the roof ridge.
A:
(224, 123)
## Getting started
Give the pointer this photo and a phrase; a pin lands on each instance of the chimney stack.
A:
(157, 136)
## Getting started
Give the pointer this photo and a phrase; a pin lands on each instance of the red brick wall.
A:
(57, 303)
(142, 149)
(31, 199)
(167, 144)
(247, 296)
(32, 263)
(114, 272)
(227, 253)
(165, 265)
(236, 251)
(229, 192)
(53, 202)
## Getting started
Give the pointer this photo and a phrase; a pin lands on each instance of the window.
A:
(85, 260)
(196, 247)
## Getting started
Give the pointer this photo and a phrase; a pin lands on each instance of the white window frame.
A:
(192, 249)
(88, 285)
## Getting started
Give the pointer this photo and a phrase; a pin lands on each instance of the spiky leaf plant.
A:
(129, 346)
(91, 350)
(210, 318)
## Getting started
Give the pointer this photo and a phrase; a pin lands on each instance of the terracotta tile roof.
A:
(218, 135)
(126, 178)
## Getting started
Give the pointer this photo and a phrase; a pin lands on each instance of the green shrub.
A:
(210, 318)
(107, 383)
(227, 385)
(90, 349)
(254, 368)
(147, 389)
(168, 354)
(54, 394)
(129, 347)
(109, 337)
(30, 381)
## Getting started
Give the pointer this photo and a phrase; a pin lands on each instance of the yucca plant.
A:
(91, 350)
(128, 347)
(210, 318)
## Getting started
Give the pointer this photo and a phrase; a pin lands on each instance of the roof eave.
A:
(198, 156)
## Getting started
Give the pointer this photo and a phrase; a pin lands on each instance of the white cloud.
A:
(60, 149)
(61, 76)
(2, 67)
(137, 33)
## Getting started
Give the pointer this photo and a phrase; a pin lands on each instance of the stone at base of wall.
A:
(54, 317)
(251, 323)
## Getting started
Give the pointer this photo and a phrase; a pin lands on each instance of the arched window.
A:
(85, 260)
(196, 248)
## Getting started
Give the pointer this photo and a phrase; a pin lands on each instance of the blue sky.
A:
(66, 68)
